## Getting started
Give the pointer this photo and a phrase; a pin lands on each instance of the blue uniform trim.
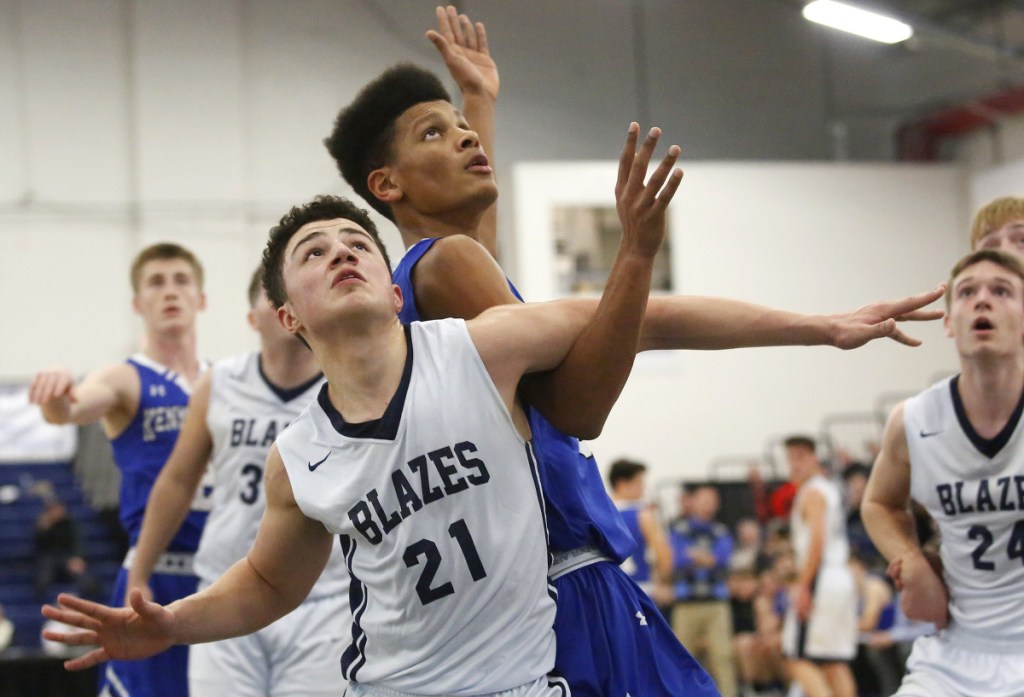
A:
(384, 428)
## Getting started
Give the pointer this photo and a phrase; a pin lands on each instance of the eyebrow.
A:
(317, 233)
(304, 240)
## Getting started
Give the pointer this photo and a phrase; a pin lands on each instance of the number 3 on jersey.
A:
(426, 549)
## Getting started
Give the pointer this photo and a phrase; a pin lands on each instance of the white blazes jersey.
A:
(245, 416)
(836, 550)
(439, 510)
(974, 489)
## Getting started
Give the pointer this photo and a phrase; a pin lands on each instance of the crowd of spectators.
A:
(729, 587)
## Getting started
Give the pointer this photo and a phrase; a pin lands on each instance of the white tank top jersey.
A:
(974, 489)
(245, 416)
(439, 509)
(836, 550)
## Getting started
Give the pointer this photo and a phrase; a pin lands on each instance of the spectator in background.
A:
(875, 670)
(855, 477)
(701, 616)
(58, 551)
(627, 480)
(744, 564)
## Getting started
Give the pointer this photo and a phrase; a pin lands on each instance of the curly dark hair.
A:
(320, 208)
(363, 131)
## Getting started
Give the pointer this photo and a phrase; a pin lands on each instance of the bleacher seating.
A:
(17, 569)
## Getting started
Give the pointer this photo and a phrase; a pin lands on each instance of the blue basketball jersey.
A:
(636, 566)
(580, 513)
(142, 449)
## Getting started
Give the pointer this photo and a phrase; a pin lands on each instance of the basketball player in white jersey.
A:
(415, 423)
(819, 635)
(141, 403)
(237, 410)
(957, 449)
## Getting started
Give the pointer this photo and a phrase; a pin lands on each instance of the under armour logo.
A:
(643, 622)
(157, 391)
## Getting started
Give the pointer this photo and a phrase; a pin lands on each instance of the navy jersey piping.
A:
(285, 394)
(384, 428)
(989, 447)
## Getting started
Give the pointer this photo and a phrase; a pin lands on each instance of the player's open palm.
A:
(124, 633)
(463, 45)
(641, 206)
(879, 319)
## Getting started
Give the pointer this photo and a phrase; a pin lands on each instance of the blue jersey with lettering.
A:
(580, 513)
(636, 565)
(142, 449)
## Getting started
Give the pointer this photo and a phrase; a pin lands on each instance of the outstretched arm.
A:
(463, 46)
(510, 348)
(103, 394)
(886, 514)
(288, 556)
(708, 323)
(175, 488)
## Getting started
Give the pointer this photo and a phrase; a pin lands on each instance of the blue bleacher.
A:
(17, 524)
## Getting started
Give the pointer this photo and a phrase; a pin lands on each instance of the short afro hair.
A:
(361, 139)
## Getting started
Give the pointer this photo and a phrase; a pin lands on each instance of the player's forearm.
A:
(891, 529)
(583, 388)
(809, 571)
(707, 323)
(239, 602)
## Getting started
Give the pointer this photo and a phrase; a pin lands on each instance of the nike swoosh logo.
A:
(929, 434)
(314, 465)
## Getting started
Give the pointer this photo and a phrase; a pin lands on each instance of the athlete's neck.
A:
(415, 226)
(286, 363)
(175, 351)
(990, 392)
(363, 369)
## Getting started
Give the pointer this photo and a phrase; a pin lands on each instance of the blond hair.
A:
(994, 215)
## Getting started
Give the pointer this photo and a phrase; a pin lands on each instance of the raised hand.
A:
(125, 633)
(879, 319)
(641, 206)
(463, 46)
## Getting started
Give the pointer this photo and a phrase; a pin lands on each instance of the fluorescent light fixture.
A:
(852, 19)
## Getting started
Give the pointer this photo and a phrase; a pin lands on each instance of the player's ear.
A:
(399, 300)
(287, 319)
(383, 186)
(202, 301)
